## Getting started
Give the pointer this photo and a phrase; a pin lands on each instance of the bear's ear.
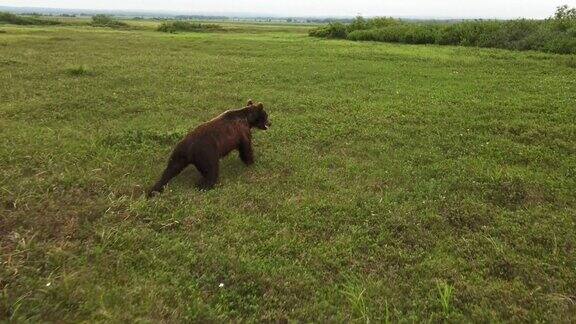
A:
(259, 106)
(250, 102)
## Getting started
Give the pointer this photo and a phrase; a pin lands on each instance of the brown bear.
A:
(207, 143)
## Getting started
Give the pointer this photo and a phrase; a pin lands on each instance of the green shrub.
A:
(421, 34)
(321, 32)
(332, 30)
(107, 21)
(358, 23)
(564, 19)
(560, 44)
(478, 32)
(449, 35)
(187, 26)
(382, 22)
(368, 35)
(8, 18)
(404, 33)
(556, 34)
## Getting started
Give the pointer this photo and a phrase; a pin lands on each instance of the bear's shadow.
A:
(231, 168)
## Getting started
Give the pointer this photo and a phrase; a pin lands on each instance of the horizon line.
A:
(229, 14)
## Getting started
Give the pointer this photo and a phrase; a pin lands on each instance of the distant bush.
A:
(564, 19)
(382, 22)
(187, 26)
(556, 34)
(8, 18)
(333, 30)
(402, 33)
(107, 21)
(359, 23)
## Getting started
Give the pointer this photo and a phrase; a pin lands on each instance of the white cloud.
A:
(413, 8)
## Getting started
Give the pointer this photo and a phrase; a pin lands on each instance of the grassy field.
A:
(397, 183)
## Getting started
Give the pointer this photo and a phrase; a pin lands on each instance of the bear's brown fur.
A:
(207, 143)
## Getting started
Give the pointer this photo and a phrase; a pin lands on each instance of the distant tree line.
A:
(186, 26)
(556, 34)
(101, 20)
(199, 17)
(8, 18)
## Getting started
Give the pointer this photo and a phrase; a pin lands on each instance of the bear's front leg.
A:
(209, 170)
(246, 153)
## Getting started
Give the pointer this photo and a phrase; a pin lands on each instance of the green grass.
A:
(445, 293)
(389, 169)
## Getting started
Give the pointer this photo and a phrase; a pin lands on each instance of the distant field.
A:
(397, 183)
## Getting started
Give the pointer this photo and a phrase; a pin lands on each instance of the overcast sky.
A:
(412, 8)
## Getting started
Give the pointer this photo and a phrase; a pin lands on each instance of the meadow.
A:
(398, 183)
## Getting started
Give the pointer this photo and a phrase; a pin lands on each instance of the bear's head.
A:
(257, 117)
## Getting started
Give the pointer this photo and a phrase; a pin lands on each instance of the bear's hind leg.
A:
(175, 166)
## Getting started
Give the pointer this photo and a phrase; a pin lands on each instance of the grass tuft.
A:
(569, 61)
(355, 294)
(78, 71)
(445, 295)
